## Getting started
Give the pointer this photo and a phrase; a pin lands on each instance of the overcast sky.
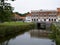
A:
(23, 6)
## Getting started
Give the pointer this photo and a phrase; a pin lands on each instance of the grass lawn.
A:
(14, 23)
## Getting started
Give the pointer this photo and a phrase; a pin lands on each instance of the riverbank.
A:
(8, 28)
(55, 27)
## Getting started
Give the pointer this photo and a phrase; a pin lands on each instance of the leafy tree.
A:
(23, 15)
(6, 11)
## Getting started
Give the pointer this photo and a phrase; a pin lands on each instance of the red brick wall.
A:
(58, 11)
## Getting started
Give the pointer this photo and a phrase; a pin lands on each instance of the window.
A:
(49, 19)
(54, 19)
(44, 19)
(36, 15)
(37, 19)
(44, 15)
(32, 19)
(54, 13)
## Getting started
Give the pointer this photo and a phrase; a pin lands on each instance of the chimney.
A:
(58, 9)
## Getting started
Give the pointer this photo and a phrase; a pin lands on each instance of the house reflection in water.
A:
(39, 34)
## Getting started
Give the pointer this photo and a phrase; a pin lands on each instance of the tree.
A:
(23, 15)
(6, 11)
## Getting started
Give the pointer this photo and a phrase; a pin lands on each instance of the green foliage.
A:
(22, 14)
(13, 27)
(5, 11)
(5, 0)
(56, 33)
(5, 15)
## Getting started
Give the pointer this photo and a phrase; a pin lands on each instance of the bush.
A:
(6, 30)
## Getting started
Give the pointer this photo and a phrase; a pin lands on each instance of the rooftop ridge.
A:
(42, 10)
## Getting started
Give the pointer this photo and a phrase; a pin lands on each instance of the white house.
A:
(43, 16)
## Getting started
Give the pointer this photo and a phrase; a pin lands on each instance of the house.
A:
(17, 17)
(28, 18)
(43, 16)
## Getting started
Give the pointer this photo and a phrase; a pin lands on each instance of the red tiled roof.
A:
(19, 17)
(29, 14)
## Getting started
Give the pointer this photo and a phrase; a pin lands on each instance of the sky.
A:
(23, 6)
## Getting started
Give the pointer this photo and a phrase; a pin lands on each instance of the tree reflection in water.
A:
(5, 40)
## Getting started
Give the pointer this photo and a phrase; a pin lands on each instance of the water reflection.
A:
(43, 35)
(5, 40)
(39, 33)
(32, 37)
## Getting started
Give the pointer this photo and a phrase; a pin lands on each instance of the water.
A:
(32, 37)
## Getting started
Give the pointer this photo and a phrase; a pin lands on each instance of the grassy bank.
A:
(8, 28)
(55, 27)
(14, 23)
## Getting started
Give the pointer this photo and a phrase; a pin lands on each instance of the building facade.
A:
(43, 16)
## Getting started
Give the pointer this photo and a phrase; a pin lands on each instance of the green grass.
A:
(8, 28)
(14, 23)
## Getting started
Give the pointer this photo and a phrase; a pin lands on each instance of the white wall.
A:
(58, 18)
(29, 19)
